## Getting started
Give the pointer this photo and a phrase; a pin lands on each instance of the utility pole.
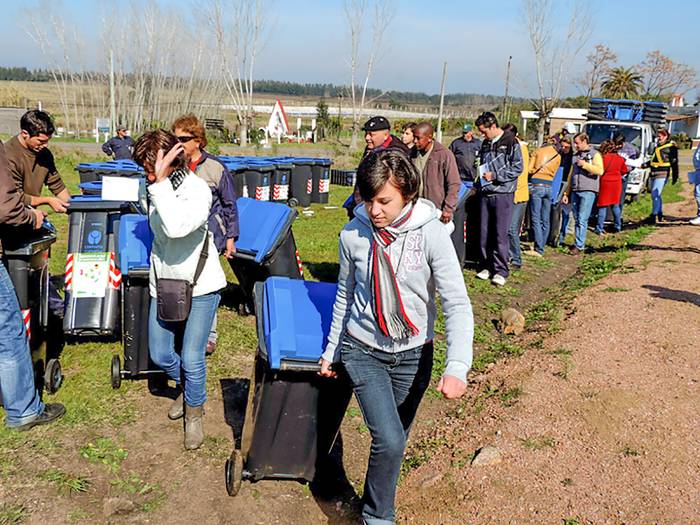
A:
(442, 99)
(505, 97)
(112, 102)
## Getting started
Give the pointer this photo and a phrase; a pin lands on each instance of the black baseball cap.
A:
(376, 123)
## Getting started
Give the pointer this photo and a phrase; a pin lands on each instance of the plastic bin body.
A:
(296, 414)
(92, 278)
(321, 180)
(91, 188)
(279, 185)
(28, 266)
(87, 173)
(257, 178)
(238, 171)
(343, 177)
(266, 245)
(135, 240)
(459, 234)
(302, 181)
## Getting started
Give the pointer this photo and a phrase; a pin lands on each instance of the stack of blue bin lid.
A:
(297, 317)
(261, 223)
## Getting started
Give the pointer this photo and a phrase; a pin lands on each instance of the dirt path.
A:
(600, 424)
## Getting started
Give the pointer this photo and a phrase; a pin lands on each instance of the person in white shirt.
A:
(179, 203)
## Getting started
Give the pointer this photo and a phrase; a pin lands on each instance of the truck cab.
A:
(641, 135)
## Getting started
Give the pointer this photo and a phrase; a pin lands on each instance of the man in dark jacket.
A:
(439, 182)
(23, 406)
(378, 138)
(120, 146)
(466, 150)
(501, 163)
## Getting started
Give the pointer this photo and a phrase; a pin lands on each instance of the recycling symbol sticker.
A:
(94, 237)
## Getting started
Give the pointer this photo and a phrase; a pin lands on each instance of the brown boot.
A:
(177, 409)
(194, 427)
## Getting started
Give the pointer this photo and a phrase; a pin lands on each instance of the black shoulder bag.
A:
(174, 296)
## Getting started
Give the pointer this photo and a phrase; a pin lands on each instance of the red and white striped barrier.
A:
(465, 232)
(115, 275)
(324, 185)
(301, 267)
(280, 192)
(27, 318)
(309, 186)
(68, 277)
(262, 193)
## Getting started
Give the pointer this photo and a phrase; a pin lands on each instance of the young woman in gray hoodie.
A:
(394, 255)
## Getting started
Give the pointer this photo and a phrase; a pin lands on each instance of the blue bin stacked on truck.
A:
(295, 414)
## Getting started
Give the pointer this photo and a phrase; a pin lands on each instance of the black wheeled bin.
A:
(237, 168)
(302, 182)
(257, 178)
(91, 188)
(28, 265)
(321, 180)
(279, 184)
(135, 239)
(265, 246)
(87, 171)
(92, 278)
(293, 414)
(459, 235)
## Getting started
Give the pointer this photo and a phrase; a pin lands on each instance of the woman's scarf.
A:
(387, 304)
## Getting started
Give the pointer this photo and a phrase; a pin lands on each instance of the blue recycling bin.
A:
(92, 278)
(302, 181)
(279, 184)
(295, 414)
(135, 240)
(265, 246)
(321, 180)
(91, 188)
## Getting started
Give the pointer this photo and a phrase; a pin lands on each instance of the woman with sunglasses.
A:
(179, 203)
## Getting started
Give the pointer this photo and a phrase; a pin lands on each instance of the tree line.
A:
(24, 74)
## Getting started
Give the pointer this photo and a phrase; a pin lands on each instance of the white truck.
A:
(640, 135)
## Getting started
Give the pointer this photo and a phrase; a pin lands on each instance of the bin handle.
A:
(300, 366)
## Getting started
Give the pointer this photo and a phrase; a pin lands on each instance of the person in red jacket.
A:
(614, 168)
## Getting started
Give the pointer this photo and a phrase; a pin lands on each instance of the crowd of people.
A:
(395, 255)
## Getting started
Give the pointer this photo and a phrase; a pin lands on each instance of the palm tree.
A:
(622, 82)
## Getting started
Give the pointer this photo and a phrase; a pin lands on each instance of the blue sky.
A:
(308, 40)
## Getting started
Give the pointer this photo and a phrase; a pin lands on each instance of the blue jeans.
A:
(582, 204)
(516, 224)
(19, 394)
(565, 214)
(540, 211)
(213, 335)
(388, 387)
(625, 179)
(697, 197)
(657, 186)
(603, 213)
(190, 361)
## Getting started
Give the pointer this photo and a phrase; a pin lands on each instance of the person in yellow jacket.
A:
(582, 188)
(543, 168)
(521, 198)
(664, 162)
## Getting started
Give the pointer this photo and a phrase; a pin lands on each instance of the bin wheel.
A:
(234, 472)
(53, 376)
(116, 372)
(293, 202)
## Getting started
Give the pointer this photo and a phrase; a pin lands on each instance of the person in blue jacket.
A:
(121, 146)
(696, 165)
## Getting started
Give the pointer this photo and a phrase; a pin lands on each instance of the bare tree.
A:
(355, 12)
(600, 60)
(662, 77)
(237, 26)
(553, 53)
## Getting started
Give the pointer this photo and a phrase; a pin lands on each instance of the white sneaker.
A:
(498, 280)
(483, 275)
(695, 221)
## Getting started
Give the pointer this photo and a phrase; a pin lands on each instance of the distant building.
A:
(569, 118)
(685, 120)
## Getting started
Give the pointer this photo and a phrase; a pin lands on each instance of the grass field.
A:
(93, 406)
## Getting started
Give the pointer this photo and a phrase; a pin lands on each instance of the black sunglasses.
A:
(185, 138)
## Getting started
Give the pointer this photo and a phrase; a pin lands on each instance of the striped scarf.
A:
(387, 304)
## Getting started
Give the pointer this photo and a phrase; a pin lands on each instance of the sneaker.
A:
(211, 346)
(483, 275)
(695, 221)
(498, 280)
(534, 253)
(52, 412)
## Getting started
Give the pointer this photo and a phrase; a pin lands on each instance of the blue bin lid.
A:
(135, 239)
(95, 203)
(261, 224)
(296, 319)
(93, 185)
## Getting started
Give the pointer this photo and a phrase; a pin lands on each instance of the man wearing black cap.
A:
(378, 138)
(121, 145)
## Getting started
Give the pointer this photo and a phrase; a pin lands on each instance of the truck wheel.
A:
(53, 377)
(116, 372)
(234, 472)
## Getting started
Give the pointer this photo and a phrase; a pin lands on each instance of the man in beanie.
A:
(466, 150)
(121, 146)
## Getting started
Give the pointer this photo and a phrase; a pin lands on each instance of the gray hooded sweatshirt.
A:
(424, 260)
